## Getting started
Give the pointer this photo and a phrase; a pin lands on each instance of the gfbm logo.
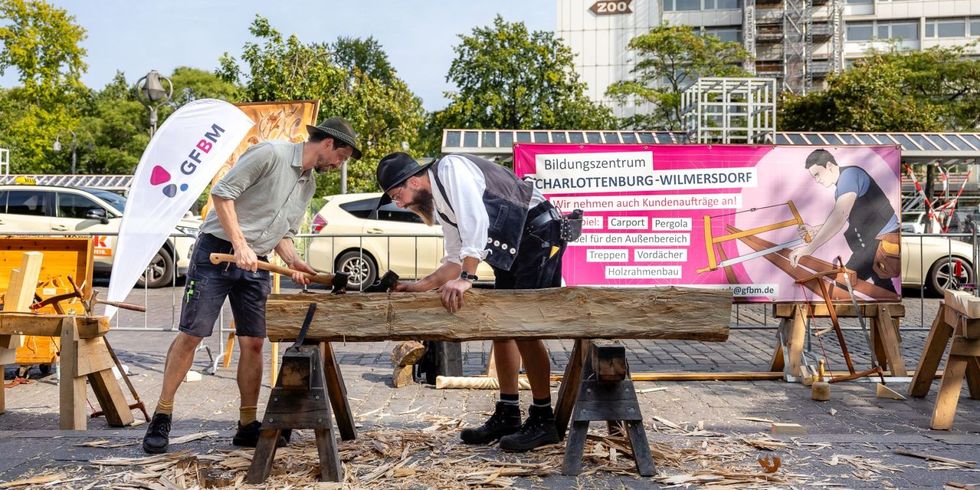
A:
(160, 175)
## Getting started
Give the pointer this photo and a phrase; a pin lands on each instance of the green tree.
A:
(364, 55)
(364, 89)
(670, 59)
(933, 90)
(114, 130)
(508, 77)
(193, 83)
(42, 44)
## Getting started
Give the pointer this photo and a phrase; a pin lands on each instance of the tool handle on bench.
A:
(326, 279)
(121, 305)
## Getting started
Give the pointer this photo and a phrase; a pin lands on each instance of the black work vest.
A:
(871, 212)
(506, 199)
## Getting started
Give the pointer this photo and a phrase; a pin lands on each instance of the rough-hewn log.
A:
(558, 313)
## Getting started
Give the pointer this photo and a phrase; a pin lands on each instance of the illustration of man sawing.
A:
(870, 220)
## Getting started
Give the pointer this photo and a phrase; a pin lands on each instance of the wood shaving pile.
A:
(433, 457)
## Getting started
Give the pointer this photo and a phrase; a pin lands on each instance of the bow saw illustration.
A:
(711, 242)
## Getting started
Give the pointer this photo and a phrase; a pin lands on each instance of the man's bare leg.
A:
(249, 376)
(180, 357)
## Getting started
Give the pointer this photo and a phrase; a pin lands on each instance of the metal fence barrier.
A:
(376, 251)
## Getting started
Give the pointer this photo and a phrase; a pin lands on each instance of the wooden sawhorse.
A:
(597, 387)
(791, 335)
(298, 401)
(84, 355)
(958, 319)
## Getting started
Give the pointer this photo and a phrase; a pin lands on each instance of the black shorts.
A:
(207, 286)
(537, 264)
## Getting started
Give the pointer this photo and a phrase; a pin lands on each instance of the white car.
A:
(64, 210)
(361, 240)
(936, 263)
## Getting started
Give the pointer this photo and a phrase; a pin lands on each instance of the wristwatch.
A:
(468, 276)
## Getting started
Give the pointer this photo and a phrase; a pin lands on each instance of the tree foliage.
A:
(508, 77)
(933, 90)
(42, 44)
(670, 59)
(352, 78)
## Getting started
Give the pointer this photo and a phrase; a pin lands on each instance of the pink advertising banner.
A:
(753, 219)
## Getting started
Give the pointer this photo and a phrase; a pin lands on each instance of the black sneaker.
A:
(248, 435)
(538, 430)
(157, 436)
(506, 419)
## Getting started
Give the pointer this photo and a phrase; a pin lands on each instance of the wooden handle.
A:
(124, 306)
(326, 279)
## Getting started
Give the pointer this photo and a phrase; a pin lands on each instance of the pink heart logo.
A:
(159, 175)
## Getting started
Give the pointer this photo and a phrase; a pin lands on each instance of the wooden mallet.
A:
(337, 282)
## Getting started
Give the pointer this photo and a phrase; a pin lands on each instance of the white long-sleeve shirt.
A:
(465, 184)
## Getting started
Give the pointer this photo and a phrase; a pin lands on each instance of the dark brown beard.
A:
(424, 206)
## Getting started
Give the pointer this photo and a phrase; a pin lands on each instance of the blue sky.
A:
(418, 35)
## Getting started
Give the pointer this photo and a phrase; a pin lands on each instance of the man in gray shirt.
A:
(258, 207)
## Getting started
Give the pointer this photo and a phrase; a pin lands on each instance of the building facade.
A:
(798, 42)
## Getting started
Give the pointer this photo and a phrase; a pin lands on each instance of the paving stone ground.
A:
(854, 422)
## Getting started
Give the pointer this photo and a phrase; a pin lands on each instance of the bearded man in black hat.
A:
(488, 214)
(258, 207)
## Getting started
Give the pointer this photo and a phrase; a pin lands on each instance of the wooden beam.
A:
(888, 333)
(932, 354)
(72, 386)
(20, 293)
(732, 376)
(556, 313)
(844, 310)
(89, 327)
(944, 410)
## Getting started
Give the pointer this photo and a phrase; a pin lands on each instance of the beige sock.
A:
(246, 415)
(165, 406)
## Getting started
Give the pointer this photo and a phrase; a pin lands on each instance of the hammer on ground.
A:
(337, 282)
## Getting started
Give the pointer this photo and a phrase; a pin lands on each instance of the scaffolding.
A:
(748, 30)
(836, 36)
(798, 16)
(730, 111)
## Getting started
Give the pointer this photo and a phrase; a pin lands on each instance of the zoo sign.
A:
(611, 7)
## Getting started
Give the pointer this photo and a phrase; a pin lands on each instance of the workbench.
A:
(84, 356)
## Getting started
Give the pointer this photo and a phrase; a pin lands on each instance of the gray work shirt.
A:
(271, 192)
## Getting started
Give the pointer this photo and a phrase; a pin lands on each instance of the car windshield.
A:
(117, 201)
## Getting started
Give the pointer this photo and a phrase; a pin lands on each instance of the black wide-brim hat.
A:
(339, 129)
(394, 170)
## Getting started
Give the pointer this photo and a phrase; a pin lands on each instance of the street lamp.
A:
(151, 93)
(74, 145)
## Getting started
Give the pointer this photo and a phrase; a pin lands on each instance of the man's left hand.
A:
(452, 294)
(299, 267)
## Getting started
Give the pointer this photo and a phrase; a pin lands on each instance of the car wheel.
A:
(360, 266)
(954, 272)
(160, 272)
